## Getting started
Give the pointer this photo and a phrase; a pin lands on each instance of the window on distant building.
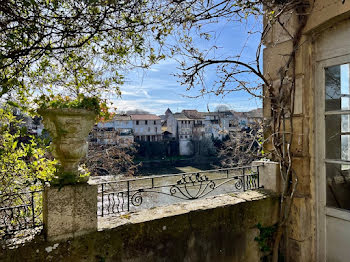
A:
(137, 122)
(154, 122)
(149, 129)
(155, 129)
(146, 122)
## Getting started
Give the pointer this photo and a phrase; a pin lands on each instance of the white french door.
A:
(332, 94)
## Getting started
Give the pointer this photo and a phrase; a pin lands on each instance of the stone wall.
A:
(220, 228)
(302, 232)
(185, 147)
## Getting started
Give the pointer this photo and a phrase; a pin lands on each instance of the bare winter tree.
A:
(222, 108)
(111, 160)
(242, 148)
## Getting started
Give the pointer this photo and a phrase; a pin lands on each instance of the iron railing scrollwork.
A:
(127, 195)
(20, 211)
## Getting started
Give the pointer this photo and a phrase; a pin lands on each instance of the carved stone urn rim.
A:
(67, 112)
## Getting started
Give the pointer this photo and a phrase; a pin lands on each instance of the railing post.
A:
(269, 175)
(33, 214)
(243, 171)
(102, 199)
(227, 173)
(128, 195)
(257, 171)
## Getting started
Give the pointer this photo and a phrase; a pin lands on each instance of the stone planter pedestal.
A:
(69, 211)
(70, 203)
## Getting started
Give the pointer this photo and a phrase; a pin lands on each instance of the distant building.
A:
(219, 124)
(33, 125)
(119, 123)
(229, 122)
(197, 121)
(147, 127)
(185, 126)
(255, 115)
(117, 131)
(248, 118)
(184, 134)
(191, 125)
(213, 126)
(169, 124)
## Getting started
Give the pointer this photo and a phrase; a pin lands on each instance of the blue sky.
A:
(156, 89)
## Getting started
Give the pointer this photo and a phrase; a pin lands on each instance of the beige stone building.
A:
(147, 127)
(319, 226)
(213, 125)
(196, 120)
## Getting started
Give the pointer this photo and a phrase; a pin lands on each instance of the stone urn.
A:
(69, 128)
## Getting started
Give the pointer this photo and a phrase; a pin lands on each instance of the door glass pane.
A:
(337, 87)
(338, 185)
(337, 137)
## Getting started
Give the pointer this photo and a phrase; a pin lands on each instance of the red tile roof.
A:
(144, 117)
(122, 117)
(192, 114)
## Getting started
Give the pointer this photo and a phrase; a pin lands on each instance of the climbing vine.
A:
(265, 239)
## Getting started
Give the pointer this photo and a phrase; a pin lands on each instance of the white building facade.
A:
(147, 127)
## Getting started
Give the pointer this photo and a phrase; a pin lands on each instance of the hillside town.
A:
(183, 127)
(141, 143)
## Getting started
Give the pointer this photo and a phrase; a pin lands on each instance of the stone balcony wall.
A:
(220, 228)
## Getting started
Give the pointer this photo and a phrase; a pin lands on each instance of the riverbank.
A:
(175, 165)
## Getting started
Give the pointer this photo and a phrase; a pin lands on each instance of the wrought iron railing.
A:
(20, 211)
(121, 197)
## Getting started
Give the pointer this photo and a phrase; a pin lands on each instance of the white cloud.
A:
(167, 101)
(240, 105)
(146, 93)
(125, 105)
(152, 84)
(135, 91)
(155, 106)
